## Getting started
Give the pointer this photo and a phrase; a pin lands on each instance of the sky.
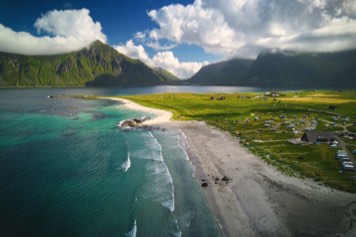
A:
(178, 35)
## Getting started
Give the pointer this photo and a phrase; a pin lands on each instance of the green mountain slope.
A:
(97, 65)
(301, 70)
(230, 72)
(289, 70)
(166, 74)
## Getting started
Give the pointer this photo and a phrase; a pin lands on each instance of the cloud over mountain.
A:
(245, 27)
(163, 59)
(61, 31)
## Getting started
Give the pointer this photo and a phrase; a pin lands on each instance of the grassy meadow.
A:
(267, 124)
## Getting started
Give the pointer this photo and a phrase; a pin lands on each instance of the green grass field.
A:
(245, 115)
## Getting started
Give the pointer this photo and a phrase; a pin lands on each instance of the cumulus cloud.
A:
(133, 51)
(66, 31)
(193, 24)
(183, 70)
(338, 35)
(162, 59)
(243, 28)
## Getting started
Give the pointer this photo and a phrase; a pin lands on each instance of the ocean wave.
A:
(184, 147)
(147, 148)
(180, 141)
(162, 177)
(178, 232)
(133, 231)
(127, 164)
(187, 218)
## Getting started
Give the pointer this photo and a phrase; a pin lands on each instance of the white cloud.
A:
(151, 40)
(338, 35)
(349, 6)
(163, 59)
(242, 28)
(133, 51)
(69, 30)
(193, 24)
(183, 70)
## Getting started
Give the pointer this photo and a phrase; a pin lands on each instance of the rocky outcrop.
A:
(132, 123)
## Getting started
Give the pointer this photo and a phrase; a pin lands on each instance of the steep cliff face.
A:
(97, 65)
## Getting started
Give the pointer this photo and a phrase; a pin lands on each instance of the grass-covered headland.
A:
(268, 123)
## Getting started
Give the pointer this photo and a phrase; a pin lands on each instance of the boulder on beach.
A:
(225, 178)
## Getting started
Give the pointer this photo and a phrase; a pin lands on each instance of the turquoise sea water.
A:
(67, 170)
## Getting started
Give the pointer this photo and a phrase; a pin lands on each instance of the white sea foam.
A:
(133, 231)
(147, 148)
(126, 166)
(160, 168)
(188, 217)
(185, 144)
(178, 233)
(181, 147)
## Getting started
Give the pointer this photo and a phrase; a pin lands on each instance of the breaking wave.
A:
(163, 176)
(133, 231)
(126, 166)
(180, 141)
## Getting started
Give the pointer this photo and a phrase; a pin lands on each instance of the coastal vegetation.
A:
(270, 125)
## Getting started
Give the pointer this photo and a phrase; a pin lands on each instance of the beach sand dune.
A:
(256, 199)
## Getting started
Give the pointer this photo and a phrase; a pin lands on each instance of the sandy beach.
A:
(161, 117)
(257, 200)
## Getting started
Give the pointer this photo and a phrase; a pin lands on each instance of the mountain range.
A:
(96, 65)
(283, 70)
(101, 65)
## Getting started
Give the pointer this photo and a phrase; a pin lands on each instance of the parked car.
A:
(344, 159)
(348, 167)
(347, 163)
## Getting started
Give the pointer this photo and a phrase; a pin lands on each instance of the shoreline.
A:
(257, 200)
(162, 116)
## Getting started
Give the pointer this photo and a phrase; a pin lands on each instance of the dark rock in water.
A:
(205, 184)
(56, 96)
(136, 120)
(225, 178)
(132, 123)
